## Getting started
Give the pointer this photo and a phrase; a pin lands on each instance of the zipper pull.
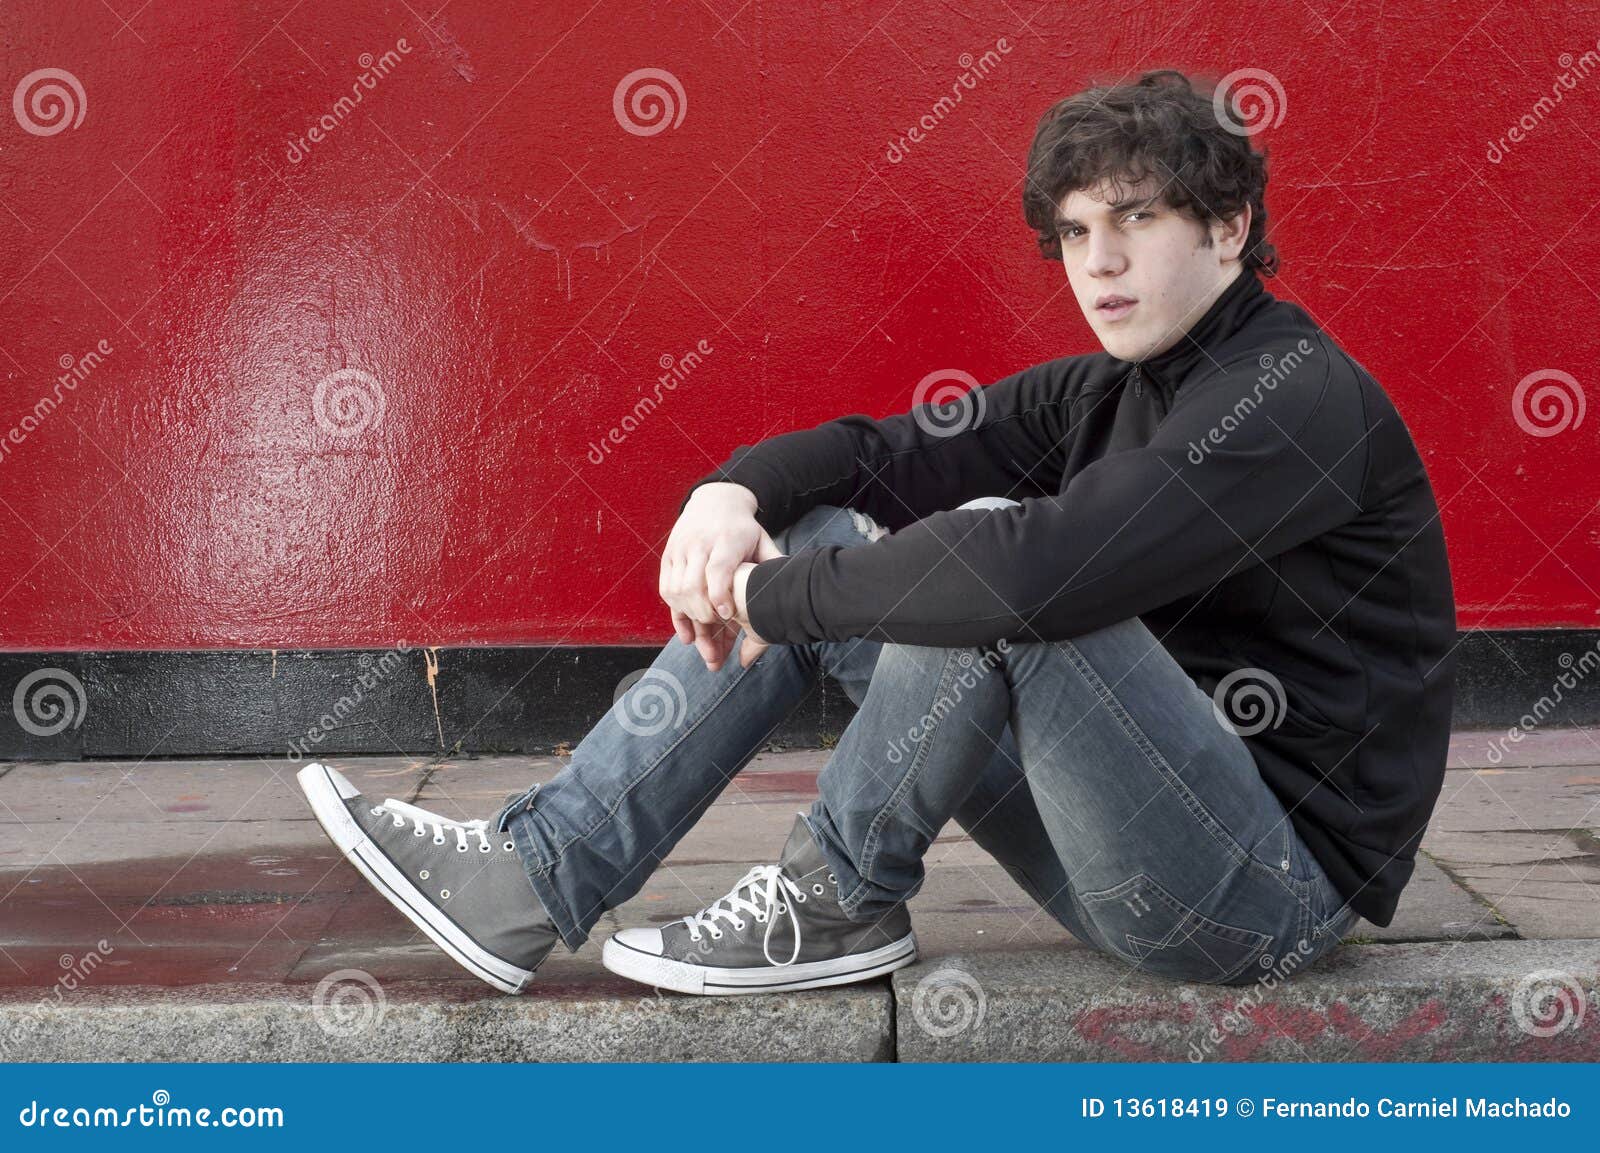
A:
(1138, 382)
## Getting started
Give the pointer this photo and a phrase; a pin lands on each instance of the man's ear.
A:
(1229, 235)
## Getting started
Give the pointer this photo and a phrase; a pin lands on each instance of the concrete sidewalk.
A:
(193, 910)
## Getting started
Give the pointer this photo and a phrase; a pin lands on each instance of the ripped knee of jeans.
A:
(866, 526)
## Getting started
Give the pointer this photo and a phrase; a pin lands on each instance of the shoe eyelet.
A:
(817, 889)
(511, 846)
(484, 847)
(375, 810)
(783, 909)
(444, 894)
(423, 874)
(461, 848)
(419, 831)
(832, 880)
(761, 918)
(800, 898)
(716, 934)
(738, 926)
(438, 840)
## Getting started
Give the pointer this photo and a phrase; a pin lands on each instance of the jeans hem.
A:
(566, 924)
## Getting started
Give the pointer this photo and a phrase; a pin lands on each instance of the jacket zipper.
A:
(1138, 382)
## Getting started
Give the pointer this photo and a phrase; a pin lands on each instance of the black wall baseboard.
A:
(68, 706)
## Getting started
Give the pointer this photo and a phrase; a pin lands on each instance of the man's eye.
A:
(1138, 212)
(1067, 233)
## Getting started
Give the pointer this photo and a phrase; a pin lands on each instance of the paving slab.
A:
(1434, 907)
(212, 902)
(1496, 748)
(1433, 1001)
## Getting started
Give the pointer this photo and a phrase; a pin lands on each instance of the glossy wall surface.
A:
(281, 367)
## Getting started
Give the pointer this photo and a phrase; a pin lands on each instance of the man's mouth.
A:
(1114, 306)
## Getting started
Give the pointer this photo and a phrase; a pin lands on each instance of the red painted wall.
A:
(482, 243)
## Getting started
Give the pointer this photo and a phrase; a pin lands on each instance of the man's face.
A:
(1136, 248)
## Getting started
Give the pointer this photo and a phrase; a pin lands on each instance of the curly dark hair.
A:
(1162, 124)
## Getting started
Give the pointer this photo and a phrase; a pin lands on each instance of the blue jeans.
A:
(1093, 769)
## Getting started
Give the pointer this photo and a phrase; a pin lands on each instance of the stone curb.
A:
(1435, 1001)
(433, 1021)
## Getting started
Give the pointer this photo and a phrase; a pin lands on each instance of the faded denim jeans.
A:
(1093, 769)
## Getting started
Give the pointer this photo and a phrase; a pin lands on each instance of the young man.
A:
(1167, 628)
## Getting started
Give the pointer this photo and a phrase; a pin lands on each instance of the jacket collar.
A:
(1229, 312)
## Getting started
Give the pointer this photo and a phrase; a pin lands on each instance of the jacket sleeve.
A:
(1234, 474)
(1008, 438)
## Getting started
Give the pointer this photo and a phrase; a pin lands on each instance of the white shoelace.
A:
(760, 893)
(422, 818)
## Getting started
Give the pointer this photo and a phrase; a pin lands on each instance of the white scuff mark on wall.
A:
(431, 657)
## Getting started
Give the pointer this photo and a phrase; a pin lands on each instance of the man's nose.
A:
(1105, 256)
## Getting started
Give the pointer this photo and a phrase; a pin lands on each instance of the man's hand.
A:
(716, 532)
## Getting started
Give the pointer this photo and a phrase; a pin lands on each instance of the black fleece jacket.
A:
(1251, 494)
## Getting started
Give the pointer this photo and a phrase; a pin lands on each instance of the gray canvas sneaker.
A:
(780, 928)
(467, 890)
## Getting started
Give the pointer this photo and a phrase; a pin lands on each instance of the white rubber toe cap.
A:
(340, 783)
(641, 940)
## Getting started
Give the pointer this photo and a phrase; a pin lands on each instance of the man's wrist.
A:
(727, 490)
